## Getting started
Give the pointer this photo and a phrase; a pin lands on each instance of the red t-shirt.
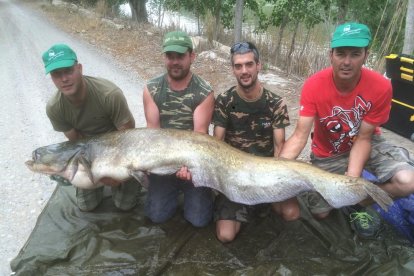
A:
(338, 117)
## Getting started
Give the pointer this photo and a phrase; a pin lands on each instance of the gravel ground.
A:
(24, 126)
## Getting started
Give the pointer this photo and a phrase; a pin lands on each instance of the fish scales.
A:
(242, 177)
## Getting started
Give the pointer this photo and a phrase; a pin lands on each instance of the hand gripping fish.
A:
(242, 177)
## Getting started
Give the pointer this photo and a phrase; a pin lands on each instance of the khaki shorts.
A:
(125, 196)
(385, 161)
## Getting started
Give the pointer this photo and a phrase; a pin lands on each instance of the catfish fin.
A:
(141, 177)
(87, 165)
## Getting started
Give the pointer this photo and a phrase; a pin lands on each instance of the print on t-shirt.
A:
(343, 125)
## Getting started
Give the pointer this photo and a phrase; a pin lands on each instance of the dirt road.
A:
(25, 88)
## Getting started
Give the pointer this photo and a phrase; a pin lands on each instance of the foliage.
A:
(384, 17)
(92, 3)
(378, 15)
(283, 11)
(227, 17)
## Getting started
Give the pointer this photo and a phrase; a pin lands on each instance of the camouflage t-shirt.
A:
(249, 124)
(177, 107)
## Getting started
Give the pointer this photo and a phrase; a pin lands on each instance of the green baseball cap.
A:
(59, 56)
(177, 41)
(351, 34)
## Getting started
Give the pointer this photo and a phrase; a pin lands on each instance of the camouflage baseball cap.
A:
(351, 34)
(177, 41)
(59, 56)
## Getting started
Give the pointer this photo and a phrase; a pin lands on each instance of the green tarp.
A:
(66, 241)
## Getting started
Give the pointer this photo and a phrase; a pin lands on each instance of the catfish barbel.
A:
(242, 177)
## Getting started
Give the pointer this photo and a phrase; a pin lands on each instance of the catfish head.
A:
(61, 159)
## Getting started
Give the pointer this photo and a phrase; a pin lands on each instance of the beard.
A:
(247, 85)
(178, 73)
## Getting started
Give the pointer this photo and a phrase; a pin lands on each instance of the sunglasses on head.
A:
(243, 47)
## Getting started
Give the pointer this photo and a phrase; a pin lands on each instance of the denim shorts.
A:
(162, 200)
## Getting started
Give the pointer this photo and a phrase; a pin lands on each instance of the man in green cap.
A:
(85, 106)
(345, 105)
(178, 99)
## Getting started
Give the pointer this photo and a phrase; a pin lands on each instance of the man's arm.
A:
(297, 141)
(202, 119)
(128, 125)
(203, 114)
(152, 114)
(361, 150)
(73, 134)
(278, 140)
(219, 132)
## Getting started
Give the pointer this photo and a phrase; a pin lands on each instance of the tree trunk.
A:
(342, 10)
(280, 38)
(409, 30)
(217, 17)
(197, 13)
(292, 48)
(139, 10)
(305, 43)
(160, 13)
(238, 20)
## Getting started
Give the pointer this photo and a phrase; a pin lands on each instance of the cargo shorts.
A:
(125, 196)
(225, 209)
(385, 161)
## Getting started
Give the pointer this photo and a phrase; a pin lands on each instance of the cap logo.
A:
(53, 55)
(348, 31)
(174, 38)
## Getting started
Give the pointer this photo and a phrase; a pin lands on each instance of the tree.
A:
(217, 12)
(342, 10)
(139, 10)
(409, 30)
(287, 13)
(238, 20)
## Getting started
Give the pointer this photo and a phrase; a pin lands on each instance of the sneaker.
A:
(366, 222)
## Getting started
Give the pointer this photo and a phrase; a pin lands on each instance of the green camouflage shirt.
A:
(249, 125)
(177, 107)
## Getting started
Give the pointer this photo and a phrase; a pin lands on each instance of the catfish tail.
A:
(379, 195)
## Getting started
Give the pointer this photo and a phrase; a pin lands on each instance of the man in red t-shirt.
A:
(346, 104)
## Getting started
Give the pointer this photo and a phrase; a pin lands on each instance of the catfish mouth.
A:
(43, 168)
(29, 164)
(58, 159)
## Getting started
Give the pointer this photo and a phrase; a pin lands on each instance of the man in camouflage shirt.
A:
(182, 100)
(253, 119)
